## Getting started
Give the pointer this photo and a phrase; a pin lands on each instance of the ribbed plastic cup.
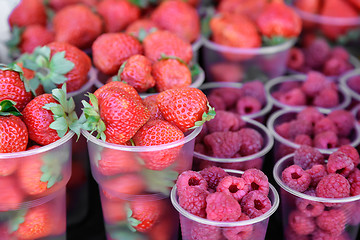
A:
(344, 82)
(253, 229)
(302, 210)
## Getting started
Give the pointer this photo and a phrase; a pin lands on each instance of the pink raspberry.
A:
(256, 180)
(351, 152)
(296, 178)
(344, 141)
(255, 89)
(335, 66)
(248, 105)
(306, 157)
(190, 179)
(325, 124)
(216, 102)
(288, 85)
(354, 83)
(317, 53)
(204, 232)
(292, 235)
(296, 58)
(240, 232)
(317, 172)
(228, 95)
(340, 163)
(294, 97)
(332, 221)
(326, 140)
(200, 148)
(255, 204)
(333, 186)
(233, 186)
(300, 223)
(340, 52)
(310, 114)
(213, 176)
(251, 141)
(303, 139)
(223, 144)
(354, 180)
(308, 207)
(326, 98)
(343, 120)
(222, 207)
(298, 127)
(283, 129)
(323, 235)
(193, 200)
(314, 83)
(225, 121)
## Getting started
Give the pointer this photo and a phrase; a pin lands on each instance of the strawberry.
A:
(110, 50)
(34, 36)
(158, 132)
(278, 20)
(178, 17)
(250, 8)
(131, 184)
(59, 4)
(136, 72)
(117, 14)
(310, 6)
(28, 12)
(150, 103)
(114, 210)
(10, 195)
(141, 26)
(164, 42)
(77, 25)
(185, 107)
(355, 3)
(101, 93)
(78, 175)
(171, 73)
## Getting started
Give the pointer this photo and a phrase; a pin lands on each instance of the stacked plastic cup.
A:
(32, 191)
(350, 84)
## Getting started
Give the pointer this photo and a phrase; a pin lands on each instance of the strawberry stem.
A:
(207, 116)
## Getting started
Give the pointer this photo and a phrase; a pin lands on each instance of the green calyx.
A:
(350, 36)
(273, 41)
(14, 41)
(205, 22)
(207, 116)
(93, 122)
(160, 181)
(7, 108)
(64, 114)
(194, 69)
(132, 222)
(49, 72)
(16, 218)
(52, 167)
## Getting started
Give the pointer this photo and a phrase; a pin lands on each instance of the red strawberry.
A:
(28, 12)
(178, 17)
(279, 20)
(59, 4)
(171, 73)
(136, 72)
(356, 3)
(150, 103)
(185, 107)
(33, 36)
(117, 14)
(77, 25)
(101, 93)
(110, 50)
(131, 184)
(164, 42)
(10, 195)
(250, 8)
(309, 6)
(141, 25)
(114, 210)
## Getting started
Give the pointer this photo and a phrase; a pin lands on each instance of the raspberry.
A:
(306, 157)
(314, 83)
(333, 186)
(223, 144)
(296, 58)
(193, 200)
(323, 235)
(327, 98)
(255, 204)
(317, 53)
(340, 52)
(340, 163)
(298, 127)
(248, 105)
(294, 97)
(351, 152)
(308, 207)
(213, 176)
(216, 102)
(228, 95)
(256, 180)
(300, 223)
(200, 148)
(332, 221)
(204, 232)
(303, 139)
(222, 207)
(296, 178)
(310, 114)
(225, 121)
(325, 124)
(326, 140)
(289, 85)
(255, 89)
(283, 129)
(317, 172)
(240, 232)
(354, 83)
(190, 179)
(354, 180)
(292, 235)
(251, 141)
(343, 120)
(335, 66)
(233, 186)
(344, 141)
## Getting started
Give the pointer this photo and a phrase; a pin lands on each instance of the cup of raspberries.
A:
(224, 204)
(311, 89)
(312, 127)
(351, 82)
(320, 194)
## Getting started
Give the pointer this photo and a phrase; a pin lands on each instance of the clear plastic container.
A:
(344, 83)
(283, 146)
(255, 63)
(196, 48)
(253, 229)
(298, 207)
(256, 160)
(356, 112)
(274, 84)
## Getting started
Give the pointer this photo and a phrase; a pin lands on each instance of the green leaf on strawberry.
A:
(52, 167)
(160, 181)
(349, 36)
(205, 22)
(7, 107)
(132, 222)
(121, 232)
(14, 41)
(17, 218)
(207, 116)
(273, 41)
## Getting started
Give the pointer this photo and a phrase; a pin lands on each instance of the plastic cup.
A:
(254, 228)
(283, 146)
(254, 63)
(356, 113)
(196, 48)
(344, 82)
(256, 160)
(34, 179)
(274, 84)
(297, 207)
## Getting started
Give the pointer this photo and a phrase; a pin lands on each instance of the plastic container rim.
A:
(344, 79)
